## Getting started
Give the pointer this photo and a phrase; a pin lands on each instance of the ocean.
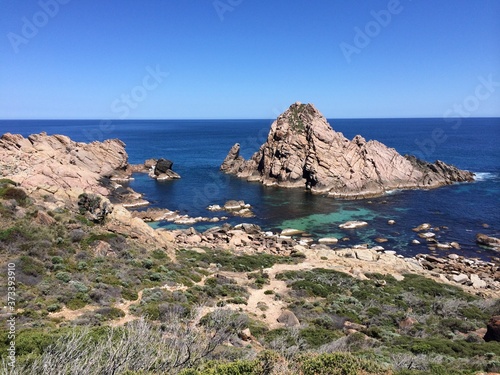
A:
(198, 147)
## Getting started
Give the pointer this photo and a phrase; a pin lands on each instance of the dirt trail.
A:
(273, 307)
(68, 314)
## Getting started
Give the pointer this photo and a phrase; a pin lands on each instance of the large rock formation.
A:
(57, 165)
(302, 150)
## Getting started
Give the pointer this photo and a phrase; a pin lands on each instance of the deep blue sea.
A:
(198, 147)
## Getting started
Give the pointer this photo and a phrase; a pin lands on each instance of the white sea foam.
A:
(390, 192)
(482, 176)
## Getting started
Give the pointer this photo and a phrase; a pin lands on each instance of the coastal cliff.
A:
(54, 164)
(303, 151)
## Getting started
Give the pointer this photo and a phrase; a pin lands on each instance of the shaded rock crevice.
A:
(303, 151)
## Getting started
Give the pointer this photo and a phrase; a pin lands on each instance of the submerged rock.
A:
(485, 240)
(303, 151)
(353, 224)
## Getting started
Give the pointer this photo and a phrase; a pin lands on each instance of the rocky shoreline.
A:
(56, 171)
(475, 275)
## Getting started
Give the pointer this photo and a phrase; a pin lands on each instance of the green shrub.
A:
(63, 276)
(30, 266)
(10, 192)
(57, 260)
(230, 368)
(110, 313)
(129, 294)
(78, 302)
(316, 336)
(337, 364)
(5, 181)
(79, 286)
(159, 254)
(237, 301)
(228, 261)
(54, 307)
(156, 276)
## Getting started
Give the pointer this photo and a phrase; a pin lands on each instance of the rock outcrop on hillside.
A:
(54, 164)
(302, 150)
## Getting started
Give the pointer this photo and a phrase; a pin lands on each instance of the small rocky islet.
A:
(303, 151)
(59, 175)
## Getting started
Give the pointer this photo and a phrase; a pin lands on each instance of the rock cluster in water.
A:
(302, 150)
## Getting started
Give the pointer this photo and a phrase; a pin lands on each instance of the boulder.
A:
(163, 166)
(232, 205)
(44, 219)
(101, 249)
(483, 239)
(366, 255)
(407, 323)
(169, 175)
(162, 170)
(291, 232)
(328, 240)
(421, 227)
(460, 278)
(288, 318)
(303, 151)
(476, 281)
(353, 224)
(493, 329)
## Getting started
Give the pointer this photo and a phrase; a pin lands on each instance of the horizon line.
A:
(243, 119)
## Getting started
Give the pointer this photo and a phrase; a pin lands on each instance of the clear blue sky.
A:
(247, 58)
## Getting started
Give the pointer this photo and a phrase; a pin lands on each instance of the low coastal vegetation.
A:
(414, 323)
(93, 301)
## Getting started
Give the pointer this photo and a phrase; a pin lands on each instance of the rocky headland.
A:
(303, 151)
(83, 258)
(56, 165)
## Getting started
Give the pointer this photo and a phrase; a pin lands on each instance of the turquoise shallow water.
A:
(198, 147)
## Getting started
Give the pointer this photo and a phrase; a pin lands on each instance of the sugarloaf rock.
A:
(303, 151)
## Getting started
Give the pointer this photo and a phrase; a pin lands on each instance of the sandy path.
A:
(314, 259)
(69, 314)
